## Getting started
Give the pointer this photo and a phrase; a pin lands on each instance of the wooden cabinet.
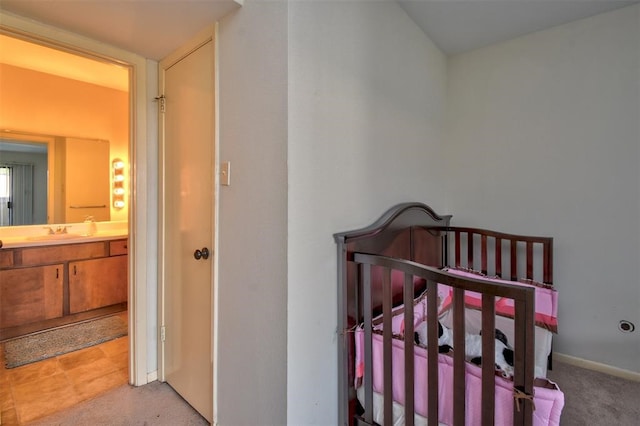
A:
(96, 283)
(118, 247)
(30, 294)
(46, 286)
(6, 259)
(42, 255)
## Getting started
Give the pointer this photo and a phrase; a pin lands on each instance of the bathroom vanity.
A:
(44, 285)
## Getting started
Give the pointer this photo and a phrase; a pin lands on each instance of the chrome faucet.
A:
(58, 230)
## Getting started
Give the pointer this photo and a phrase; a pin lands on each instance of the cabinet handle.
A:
(74, 270)
(57, 273)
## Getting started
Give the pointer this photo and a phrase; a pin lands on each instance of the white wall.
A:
(366, 116)
(252, 283)
(543, 138)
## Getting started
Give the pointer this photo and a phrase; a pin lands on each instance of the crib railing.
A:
(523, 340)
(509, 256)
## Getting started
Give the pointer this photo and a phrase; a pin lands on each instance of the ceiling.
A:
(153, 29)
(457, 26)
(32, 56)
(150, 28)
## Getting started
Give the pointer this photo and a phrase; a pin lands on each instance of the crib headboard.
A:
(411, 231)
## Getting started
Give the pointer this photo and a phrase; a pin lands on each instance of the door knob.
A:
(204, 253)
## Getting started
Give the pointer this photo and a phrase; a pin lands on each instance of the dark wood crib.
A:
(414, 241)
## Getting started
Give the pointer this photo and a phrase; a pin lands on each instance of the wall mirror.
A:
(66, 118)
(53, 179)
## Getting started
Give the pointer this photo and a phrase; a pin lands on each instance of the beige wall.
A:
(366, 120)
(35, 102)
(543, 138)
(251, 308)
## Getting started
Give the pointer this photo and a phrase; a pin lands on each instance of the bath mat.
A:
(51, 343)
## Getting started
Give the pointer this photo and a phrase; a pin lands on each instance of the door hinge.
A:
(161, 101)
(162, 333)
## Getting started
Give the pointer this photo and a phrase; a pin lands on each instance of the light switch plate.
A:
(225, 173)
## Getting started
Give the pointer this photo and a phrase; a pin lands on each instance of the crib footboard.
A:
(523, 378)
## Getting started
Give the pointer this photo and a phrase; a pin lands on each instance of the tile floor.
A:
(35, 390)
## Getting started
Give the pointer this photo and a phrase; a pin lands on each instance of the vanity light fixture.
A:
(117, 166)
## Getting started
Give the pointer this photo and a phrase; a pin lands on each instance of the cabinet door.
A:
(97, 282)
(30, 294)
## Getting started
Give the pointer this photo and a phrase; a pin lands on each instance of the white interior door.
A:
(187, 224)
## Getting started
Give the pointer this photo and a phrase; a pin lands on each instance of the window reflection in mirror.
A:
(23, 182)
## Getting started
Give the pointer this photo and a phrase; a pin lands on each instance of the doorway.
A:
(124, 148)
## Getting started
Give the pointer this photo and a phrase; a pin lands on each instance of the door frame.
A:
(141, 232)
(209, 33)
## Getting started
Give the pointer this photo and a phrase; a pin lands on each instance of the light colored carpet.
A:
(51, 343)
(154, 404)
(591, 398)
(596, 399)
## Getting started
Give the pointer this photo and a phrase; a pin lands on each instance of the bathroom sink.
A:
(50, 237)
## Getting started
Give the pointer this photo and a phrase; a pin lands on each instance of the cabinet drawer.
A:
(6, 258)
(118, 247)
(61, 253)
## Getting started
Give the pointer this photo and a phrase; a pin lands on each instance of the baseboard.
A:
(152, 377)
(597, 366)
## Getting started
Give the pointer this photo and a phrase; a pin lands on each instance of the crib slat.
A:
(547, 255)
(483, 254)
(387, 334)
(488, 353)
(408, 350)
(523, 358)
(514, 260)
(498, 257)
(368, 350)
(470, 250)
(530, 260)
(432, 352)
(457, 255)
(459, 386)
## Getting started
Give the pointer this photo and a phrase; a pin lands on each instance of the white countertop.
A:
(34, 236)
(15, 242)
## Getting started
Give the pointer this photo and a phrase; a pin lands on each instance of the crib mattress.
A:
(543, 338)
